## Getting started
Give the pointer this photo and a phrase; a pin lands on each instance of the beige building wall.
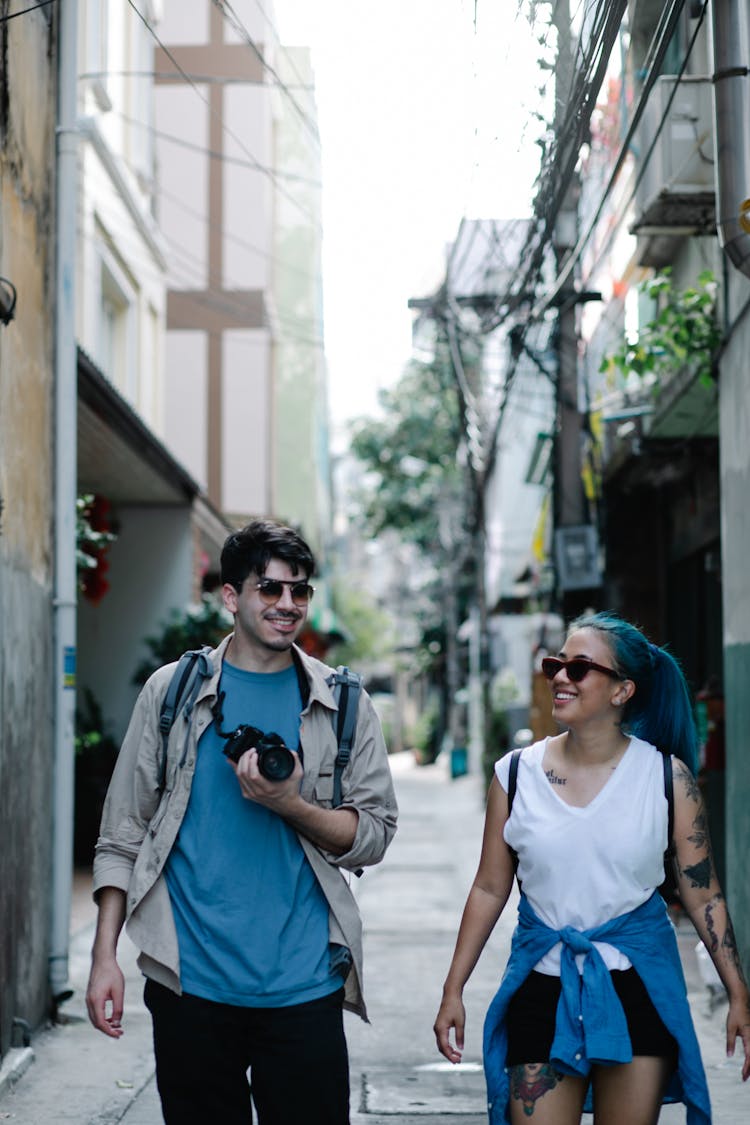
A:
(215, 122)
(27, 207)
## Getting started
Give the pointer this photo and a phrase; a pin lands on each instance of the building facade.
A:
(28, 72)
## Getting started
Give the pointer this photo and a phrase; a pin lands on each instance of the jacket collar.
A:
(312, 676)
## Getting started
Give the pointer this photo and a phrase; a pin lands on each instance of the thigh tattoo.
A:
(531, 1081)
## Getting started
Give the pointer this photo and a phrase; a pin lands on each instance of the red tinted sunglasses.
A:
(575, 669)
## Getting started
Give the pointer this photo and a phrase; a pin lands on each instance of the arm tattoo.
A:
(530, 1082)
(700, 832)
(553, 779)
(691, 785)
(708, 914)
(699, 873)
(730, 946)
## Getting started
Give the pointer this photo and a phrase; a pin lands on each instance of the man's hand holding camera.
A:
(279, 795)
(333, 830)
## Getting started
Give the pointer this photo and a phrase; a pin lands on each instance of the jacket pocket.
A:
(323, 790)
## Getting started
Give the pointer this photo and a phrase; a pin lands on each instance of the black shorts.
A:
(530, 1020)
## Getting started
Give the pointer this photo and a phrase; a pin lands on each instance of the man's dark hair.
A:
(252, 547)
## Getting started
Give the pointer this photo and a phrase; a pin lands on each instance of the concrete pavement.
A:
(411, 905)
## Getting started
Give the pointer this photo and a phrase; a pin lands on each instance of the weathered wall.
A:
(735, 535)
(27, 107)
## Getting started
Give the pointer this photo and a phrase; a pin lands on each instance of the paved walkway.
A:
(411, 906)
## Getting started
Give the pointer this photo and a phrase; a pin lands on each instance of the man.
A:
(230, 882)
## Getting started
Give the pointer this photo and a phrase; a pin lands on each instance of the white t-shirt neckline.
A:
(613, 780)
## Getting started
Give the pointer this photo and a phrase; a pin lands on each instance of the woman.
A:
(592, 1006)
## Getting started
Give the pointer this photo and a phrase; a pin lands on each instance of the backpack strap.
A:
(192, 668)
(513, 777)
(512, 784)
(669, 794)
(346, 686)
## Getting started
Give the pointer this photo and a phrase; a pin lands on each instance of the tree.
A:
(417, 485)
(410, 455)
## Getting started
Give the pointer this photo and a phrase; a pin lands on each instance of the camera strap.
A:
(194, 666)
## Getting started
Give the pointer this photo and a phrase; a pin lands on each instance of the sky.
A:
(424, 119)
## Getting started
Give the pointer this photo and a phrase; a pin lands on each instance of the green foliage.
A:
(503, 693)
(369, 629)
(410, 454)
(683, 331)
(204, 624)
(425, 736)
(91, 734)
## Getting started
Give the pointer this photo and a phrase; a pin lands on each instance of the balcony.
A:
(676, 196)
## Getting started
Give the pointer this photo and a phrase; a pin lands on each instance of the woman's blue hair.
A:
(660, 710)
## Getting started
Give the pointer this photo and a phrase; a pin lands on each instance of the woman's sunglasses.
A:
(575, 669)
(271, 589)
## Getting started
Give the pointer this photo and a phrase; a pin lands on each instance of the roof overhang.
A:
(118, 455)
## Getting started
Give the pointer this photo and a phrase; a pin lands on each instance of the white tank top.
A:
(581, 867)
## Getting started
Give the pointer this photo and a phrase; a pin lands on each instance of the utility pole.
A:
(574, 542)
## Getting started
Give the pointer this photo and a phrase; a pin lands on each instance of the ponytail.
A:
(660, 710)
(667, 718)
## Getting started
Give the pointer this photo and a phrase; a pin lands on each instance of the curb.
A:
(14, 1065)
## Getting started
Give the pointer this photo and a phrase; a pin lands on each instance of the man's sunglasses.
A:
(576, 668)
(271, 589)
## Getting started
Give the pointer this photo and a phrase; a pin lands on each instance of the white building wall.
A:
(247, 426)
(186, 401)
(121, 302)
(182, 168)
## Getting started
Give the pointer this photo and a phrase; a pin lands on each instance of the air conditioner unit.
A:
(676, 194)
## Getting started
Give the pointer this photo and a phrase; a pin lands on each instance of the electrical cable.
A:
(25, 11)
(644, 162)
(225, 158)
(229, 132)
(561, 162)
(575, 254)
(234, 21)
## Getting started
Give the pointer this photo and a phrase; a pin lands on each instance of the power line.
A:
(254, 165)
(653, 74)
(25, 11)
(230, 133)
(236, 23)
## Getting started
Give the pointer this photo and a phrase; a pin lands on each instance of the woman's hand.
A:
(738, 1027)
(452, 1014)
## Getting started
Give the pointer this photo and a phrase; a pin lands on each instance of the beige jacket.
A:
(140, 823)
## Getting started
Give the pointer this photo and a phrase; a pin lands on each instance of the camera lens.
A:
(275, 760)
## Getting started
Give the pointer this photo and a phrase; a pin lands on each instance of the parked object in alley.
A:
(592, 1012)
(230, 880)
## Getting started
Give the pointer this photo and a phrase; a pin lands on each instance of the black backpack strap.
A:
(669, 794)
(513, 777)
(346, 686)
(192, 668)
(512, 784)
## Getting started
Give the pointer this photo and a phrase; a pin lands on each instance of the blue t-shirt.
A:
(251, 918)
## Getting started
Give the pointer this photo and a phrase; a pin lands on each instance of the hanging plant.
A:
(683, 332)
(94, 534)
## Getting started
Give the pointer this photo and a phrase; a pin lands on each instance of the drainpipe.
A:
(731, 48)
(65, 591)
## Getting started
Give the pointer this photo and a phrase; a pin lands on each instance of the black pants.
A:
(297, 1057)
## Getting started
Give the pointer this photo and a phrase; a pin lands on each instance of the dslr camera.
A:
(275, 760)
